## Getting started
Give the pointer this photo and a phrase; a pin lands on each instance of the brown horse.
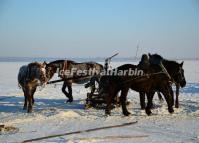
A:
(68, 71)
(29, 77)
(148, 83)
(176, 72)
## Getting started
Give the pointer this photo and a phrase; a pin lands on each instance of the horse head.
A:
(37, 72)
(179, 76)
(51, 69)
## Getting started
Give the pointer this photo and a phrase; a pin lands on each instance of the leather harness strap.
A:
(64, 68)
(65, 65)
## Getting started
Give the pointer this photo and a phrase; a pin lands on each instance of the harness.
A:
(176, 74)
(65, 65)
(146, 75)
(63, 68)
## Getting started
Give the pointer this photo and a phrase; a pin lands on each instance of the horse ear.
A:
(149, 55)
(182, 63)
(44, 64)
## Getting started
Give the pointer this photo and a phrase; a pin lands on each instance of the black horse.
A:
(154, 80)
(68, 72)
(176, 72)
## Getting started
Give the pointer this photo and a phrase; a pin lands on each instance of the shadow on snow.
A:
(15, 104)
(191, 88)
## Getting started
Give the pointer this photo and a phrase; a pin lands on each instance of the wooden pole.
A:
(78, 132)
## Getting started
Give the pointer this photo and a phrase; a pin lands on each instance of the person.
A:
(92, 83)
(144, 63)
(156, 59)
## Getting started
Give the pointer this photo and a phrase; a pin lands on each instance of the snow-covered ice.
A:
(52, 115)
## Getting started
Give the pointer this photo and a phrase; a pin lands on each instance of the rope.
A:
(146, 75)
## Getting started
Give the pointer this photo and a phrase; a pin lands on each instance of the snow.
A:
(52, 115)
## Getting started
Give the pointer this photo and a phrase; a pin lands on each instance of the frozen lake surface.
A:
(52, 115)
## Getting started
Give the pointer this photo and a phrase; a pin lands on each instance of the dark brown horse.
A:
(29, 77)
(72, 72)
(176, 72)
(148, 83)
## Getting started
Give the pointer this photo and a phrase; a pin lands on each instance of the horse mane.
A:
(170, 62)
(34, 64)
(165, 60)
(127, 66)
(61, 61)
(157, 56)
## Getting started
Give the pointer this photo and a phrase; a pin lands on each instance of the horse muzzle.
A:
(183, 84)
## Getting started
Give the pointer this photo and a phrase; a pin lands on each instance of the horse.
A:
(155, 80)
(176, 72)
(29, 77)
(72, 72)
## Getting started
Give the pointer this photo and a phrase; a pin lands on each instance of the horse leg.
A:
(152, 95)
(160, 96)
(168, 94)
(70, 92)
(123, 96)
(25, 100)
(29, 96)
(109, 98)
(32, 95)
(149, 103)
(142, 100)
(177, 94)
(65, 84)
(172, 95)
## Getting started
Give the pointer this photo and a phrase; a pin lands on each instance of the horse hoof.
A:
(128, 102)
(24, 108)
(127, 113)
(176, 106)
(112, 106)
(107, 113)
(171, 110)
(69, 100)
(29, 111)
(148, 112)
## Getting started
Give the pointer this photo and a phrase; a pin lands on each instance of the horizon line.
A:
(39, 59)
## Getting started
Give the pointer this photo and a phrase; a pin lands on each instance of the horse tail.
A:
(22, 75)
(28, 72)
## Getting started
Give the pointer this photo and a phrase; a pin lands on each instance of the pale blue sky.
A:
(98, 28)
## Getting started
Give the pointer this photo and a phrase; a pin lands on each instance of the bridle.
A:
(179, 75)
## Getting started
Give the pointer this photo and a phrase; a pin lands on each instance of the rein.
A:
(146, 75)
(176, 74)
(67, 79)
